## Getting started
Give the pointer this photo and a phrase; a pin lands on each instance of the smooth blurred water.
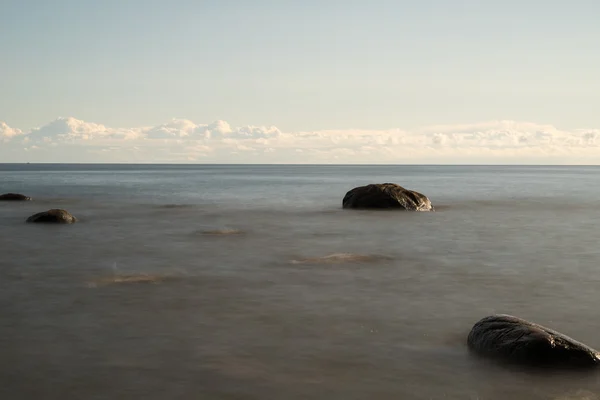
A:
(251, 307)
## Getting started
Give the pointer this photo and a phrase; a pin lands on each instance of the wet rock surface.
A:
(386, 195)
(517, 340)
(14, 197)
(54, 216)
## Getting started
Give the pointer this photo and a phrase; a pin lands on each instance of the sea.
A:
(251, 281)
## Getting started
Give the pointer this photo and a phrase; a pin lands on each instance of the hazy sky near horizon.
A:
(300, 66)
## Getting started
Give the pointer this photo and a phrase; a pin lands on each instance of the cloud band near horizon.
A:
(67, 140)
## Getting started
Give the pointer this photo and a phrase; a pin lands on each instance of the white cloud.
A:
(181, 140)
(7, 132)
(68, 128)
(176, 128)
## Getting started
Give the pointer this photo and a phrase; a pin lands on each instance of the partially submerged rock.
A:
(223, 232)
(14, 197)
(386, 195)
(340, 258)
(55, 216)
(119, 279)
(516, 340)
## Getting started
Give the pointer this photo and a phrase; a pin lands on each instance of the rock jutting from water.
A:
(54, 216)
(14, 197)
(386, 195)
(516, 340)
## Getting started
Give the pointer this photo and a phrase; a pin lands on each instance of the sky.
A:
(329, 81)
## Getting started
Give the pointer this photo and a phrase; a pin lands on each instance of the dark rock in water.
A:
(55, 216)
(14, 197)
(516, 340)
(386, 195)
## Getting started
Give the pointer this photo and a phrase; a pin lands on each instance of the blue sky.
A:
(300, 65)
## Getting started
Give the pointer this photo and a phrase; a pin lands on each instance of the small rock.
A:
(55, 216)
(524, 342)
(14, 197)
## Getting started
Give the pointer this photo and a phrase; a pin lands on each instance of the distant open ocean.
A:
(251, 282)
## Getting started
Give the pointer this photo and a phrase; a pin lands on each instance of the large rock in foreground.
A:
(54, 216)
(516, 340)
(386, 195)
(14, 197)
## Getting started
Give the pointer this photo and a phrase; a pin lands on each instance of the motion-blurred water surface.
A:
(251, 282)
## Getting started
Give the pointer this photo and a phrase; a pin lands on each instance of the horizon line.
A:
(306, 164)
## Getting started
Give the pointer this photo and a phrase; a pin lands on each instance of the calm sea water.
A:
(262, 287)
